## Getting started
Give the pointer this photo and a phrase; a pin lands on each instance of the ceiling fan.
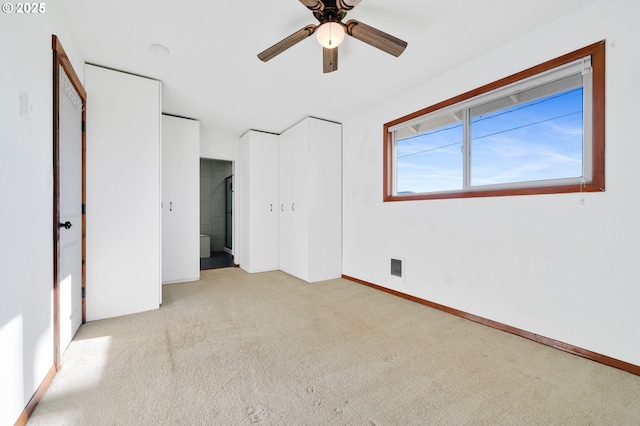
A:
(331, 31)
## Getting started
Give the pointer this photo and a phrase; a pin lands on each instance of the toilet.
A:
(205, 246)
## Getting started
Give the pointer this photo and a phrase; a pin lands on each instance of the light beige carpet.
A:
(236, 348)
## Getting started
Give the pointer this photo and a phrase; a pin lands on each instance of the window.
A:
(539, 131)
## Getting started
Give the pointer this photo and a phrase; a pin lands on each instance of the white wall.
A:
(26, 251)
(548, 264)
(219, 145)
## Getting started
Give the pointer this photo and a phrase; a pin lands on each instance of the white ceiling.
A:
(213, 74)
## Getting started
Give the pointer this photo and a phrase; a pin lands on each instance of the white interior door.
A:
(70, 167)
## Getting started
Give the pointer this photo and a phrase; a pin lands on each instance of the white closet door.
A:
(311, 200)
(123, 229)
(325, 201)
(264, 206)
(258, 185)
(180, 199)
(294, 229)
(286, 169)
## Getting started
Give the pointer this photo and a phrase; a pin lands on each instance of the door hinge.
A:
(83, 292)
(84, 125)
(84, 209)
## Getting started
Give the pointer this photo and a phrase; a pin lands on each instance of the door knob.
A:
(65, 225)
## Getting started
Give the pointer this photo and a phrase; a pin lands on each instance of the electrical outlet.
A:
(27, 108)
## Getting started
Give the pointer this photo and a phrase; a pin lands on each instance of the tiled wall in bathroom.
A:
(212, 196)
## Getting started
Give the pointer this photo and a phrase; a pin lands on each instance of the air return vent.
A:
(397, 268)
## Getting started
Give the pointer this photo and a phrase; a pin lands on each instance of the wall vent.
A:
(397, 268)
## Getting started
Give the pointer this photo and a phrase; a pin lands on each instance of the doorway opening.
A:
(216, 214)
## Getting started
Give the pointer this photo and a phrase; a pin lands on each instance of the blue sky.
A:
(537, 140)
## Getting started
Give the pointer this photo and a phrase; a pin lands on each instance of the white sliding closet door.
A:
(123, 228)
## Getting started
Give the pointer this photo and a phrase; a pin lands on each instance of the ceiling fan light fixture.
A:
(330, 34)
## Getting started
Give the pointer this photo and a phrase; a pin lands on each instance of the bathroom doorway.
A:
(216, 219)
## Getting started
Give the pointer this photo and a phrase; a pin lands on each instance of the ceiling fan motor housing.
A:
(331, 12)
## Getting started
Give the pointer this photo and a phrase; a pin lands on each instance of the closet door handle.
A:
(282, 207)
(293, 207)
(271, 207)
(170, 206)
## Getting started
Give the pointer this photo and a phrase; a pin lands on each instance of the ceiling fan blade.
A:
(315, 5)
(376, 38)
(346, 5)
(286, 43)
(329, 59)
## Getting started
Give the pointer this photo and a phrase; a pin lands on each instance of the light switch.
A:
(26, 106)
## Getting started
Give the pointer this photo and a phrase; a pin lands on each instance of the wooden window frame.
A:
(597, 184)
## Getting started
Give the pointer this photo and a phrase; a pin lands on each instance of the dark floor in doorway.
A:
(218, 259)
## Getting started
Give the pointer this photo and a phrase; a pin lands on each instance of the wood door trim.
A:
(60, 59)
(68, 68)
(575, 350)
(37, 396)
